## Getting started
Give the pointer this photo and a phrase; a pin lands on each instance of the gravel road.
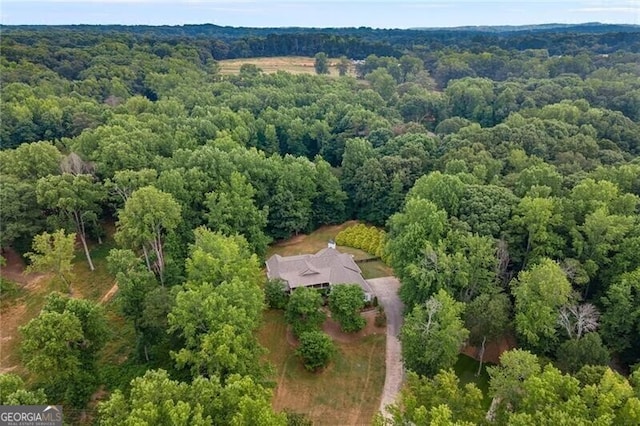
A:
(387, 291)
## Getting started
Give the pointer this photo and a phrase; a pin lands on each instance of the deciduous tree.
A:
(156, 398)
(76, 197)
(303, 310)
(539, 294)
(321, 63)
(316, 349)
(232, 210)
(53, 253)
(345, 303)
(421, 394)
(433, 334)
(506, 380)
(14, 392)
(487, 317)
(148, 215)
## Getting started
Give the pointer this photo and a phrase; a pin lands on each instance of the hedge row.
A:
(360, 236)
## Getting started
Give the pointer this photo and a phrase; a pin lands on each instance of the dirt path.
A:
(14, 315)
(109, 295)
(387, 291)
(14, 269)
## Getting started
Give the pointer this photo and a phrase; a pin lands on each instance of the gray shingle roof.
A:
(326, 266)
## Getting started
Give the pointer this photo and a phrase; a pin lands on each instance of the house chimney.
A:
(331, 244)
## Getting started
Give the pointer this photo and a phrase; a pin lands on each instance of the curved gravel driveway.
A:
(387, 291)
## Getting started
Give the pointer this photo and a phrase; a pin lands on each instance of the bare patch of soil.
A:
(15, 267)
(12, 317)
(492, 350)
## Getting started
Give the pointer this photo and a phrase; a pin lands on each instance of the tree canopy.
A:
(494, 169)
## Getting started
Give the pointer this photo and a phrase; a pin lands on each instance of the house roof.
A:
(326, 266)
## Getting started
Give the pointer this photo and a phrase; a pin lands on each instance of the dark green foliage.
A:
(232, 210)
(487, 317)
(487, 208)
(303, 310)
(8, 290)
(321, 63)
(381, 317)
(343, 65)
(574, 354)
(316, 350)
(276, 295)
(297, 419)
(345, 303)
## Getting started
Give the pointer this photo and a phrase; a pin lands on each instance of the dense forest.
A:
(504, 166)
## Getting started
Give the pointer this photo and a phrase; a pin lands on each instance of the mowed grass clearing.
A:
(347, 392)
(291, 64)
(317, 240)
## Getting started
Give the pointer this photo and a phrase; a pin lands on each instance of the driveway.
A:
(387, 291)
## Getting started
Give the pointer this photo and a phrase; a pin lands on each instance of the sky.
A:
(318, 13)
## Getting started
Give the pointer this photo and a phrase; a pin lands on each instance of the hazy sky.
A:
(315, 13)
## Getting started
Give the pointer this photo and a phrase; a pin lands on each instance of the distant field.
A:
(292, 64)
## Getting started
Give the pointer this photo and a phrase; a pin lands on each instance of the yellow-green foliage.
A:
(360, 236)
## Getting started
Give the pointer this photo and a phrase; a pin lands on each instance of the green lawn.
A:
(466, 369)
(312, 243)
(317, 240)
(375, 269)
(346, 392)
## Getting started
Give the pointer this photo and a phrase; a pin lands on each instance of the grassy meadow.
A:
(291, 64)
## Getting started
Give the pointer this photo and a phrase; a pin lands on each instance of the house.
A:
(326, 268)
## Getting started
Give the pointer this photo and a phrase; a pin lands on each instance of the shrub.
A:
(276, 294)
(345, 303)
(8, 289)
(303, 310)
(360, 236)
(297, 419)
(381, 318)
(316, 350)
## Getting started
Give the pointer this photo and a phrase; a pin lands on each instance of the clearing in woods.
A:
(317, 240)
(347, 392)
(291, 64)
(31, 290)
